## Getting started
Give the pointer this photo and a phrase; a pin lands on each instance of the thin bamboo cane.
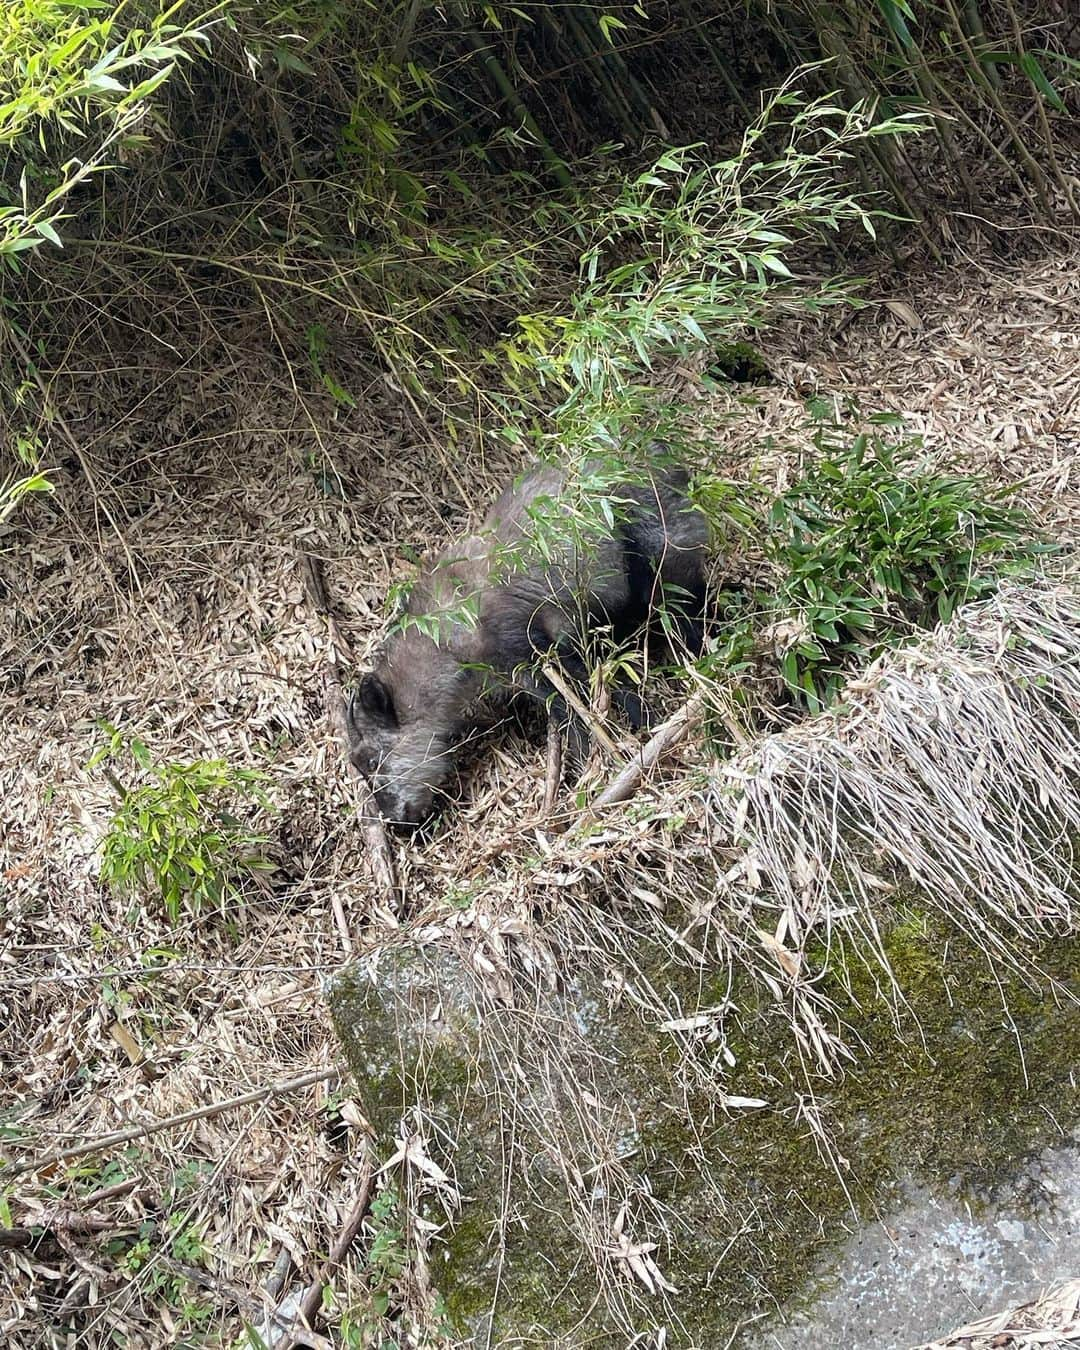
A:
(504, 85)
(976, 31)
(1040, 111)
(621, 72)
(613, 95)
(701, 32)
(1033, 167)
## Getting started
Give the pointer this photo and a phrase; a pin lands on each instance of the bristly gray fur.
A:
(423, 697)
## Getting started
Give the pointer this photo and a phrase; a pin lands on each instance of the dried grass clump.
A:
(948, 769)
(1051, 1323)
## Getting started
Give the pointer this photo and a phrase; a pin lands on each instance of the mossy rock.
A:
(752, 1202)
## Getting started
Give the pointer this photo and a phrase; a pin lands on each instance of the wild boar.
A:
(474, 626)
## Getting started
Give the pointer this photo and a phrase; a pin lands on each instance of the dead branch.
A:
(311, 1301)
(371, 823)
(104, 1141)
(596, 727)
(115, 1192)
(553, 765)
(275, 1281)
(669, 734)
(51, 1226)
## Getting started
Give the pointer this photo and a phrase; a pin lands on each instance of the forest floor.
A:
(168, 601)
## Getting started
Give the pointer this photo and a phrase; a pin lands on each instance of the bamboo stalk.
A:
(1023, 183)
(568, 57)
(1033, 167)
(613, 95)
(925, 82)
(504, 86)
(260, 1094)
(405, 33)
(701, 31)
(675, 730)
(1040, 110)
(973, 26)
(613, 58)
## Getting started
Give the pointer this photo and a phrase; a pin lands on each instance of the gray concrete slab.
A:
(939, 1261)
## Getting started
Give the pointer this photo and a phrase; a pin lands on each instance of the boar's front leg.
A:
(548, 642)
(632, 706)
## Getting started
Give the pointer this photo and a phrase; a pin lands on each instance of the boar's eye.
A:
(376, 699)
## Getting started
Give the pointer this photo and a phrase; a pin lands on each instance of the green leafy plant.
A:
(182, 835)
(367, 1324)
(76, 78)
(872, 544)
(14, 488)
(23, 450)
(318, 349)
(680, 260)
(180, 1237)
(675, 261)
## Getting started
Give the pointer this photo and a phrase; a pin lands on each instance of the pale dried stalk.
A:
(1052, 1320)
(596, 727)
(668, 735)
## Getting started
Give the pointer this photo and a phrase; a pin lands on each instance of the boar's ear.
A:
(376, 699)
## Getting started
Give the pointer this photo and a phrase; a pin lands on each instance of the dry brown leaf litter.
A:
(189, 625)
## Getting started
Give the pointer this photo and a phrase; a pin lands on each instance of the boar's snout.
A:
(405, 760)
(405, 812)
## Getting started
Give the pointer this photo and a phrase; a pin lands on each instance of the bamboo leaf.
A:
(777, 265)
(1037, 76)
(896, 13)
(608, 24)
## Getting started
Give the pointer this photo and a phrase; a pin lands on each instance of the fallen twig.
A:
(312, 1299)
(371, 823)
(275, 1281)
(261, 1094)
(115, 1192)
(553, 765)
(677, 727)
(73, 1225)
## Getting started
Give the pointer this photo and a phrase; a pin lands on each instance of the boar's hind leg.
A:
(632, 706)
(685, 606)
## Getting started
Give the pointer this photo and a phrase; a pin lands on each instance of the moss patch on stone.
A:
(948, 1091)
